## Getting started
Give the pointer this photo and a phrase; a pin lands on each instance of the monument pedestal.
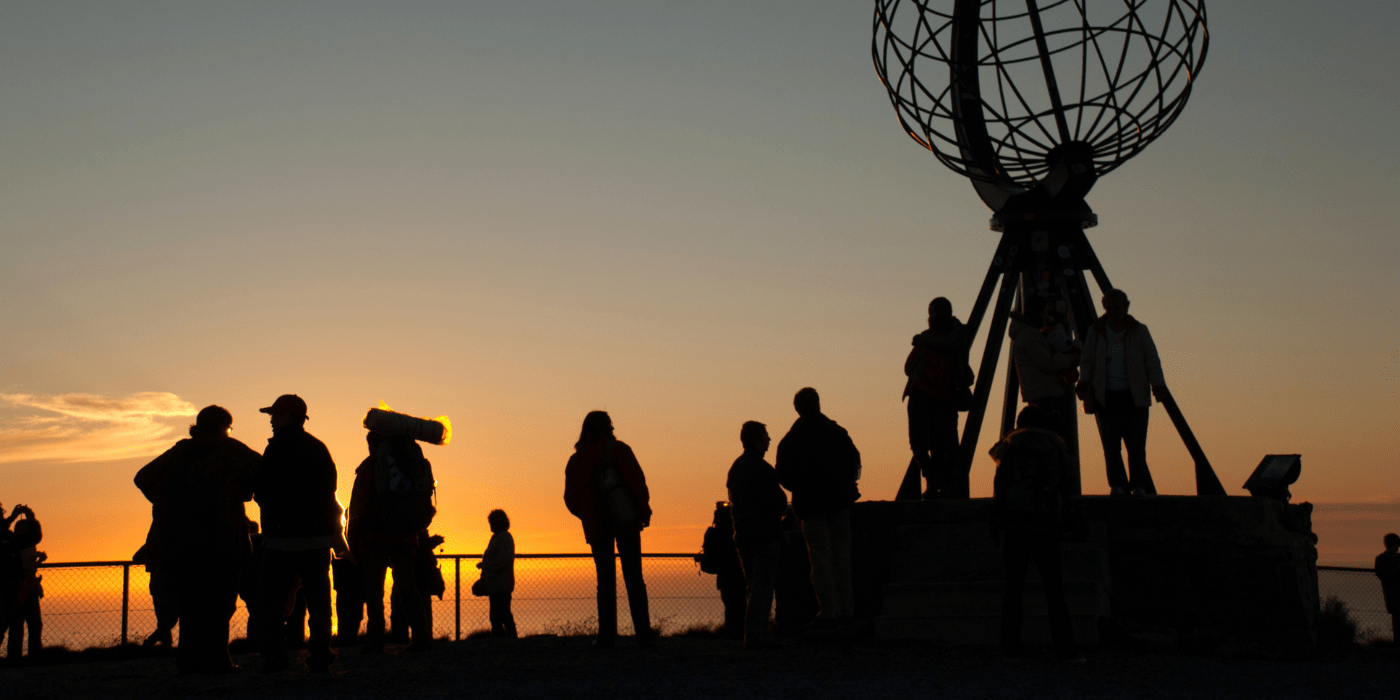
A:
(1217, 574)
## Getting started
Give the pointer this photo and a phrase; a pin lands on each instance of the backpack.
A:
(717, 549)
(617, 501)
(1022, 482)
(404, 488)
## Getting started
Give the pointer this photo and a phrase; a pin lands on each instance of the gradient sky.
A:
(514, 213)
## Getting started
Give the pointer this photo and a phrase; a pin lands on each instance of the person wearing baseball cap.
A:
(295, 488)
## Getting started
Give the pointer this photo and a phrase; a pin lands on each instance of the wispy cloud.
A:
(88, 427)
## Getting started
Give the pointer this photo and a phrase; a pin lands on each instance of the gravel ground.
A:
(698, 667)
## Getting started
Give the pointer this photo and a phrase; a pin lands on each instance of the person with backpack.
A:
(390, 504)
(295, 489)
(604, 487)
(720, 556)
(757, 505)
(199, 530)
(819, 463)
(31, 589)
(937, 389)
(1029, 507)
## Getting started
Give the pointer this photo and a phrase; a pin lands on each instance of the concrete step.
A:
(1076, 561)
(981, 629)
(925, 537)
(984, 598)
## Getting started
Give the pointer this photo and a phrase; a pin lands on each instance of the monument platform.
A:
(1215, 574)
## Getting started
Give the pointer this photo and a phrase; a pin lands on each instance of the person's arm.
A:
(631, 471)
(152, 477)
(1153, 363)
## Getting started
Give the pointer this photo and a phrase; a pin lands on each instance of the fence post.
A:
(126, 597)
(457, 597)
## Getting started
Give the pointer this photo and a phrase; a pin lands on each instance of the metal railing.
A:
(102, 603)
(1359, 588)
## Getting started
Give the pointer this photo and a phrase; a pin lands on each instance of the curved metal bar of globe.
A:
(1052, 86)
(959, 486)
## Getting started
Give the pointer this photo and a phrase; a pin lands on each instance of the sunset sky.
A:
(681, 213)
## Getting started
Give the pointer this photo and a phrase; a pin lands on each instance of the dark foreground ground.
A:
(705, 667)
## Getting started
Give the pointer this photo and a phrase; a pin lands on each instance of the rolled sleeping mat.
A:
(437, 431)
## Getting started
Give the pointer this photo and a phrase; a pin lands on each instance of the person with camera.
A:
(604, 487)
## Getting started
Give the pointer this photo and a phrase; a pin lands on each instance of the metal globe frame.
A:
(1033, 101)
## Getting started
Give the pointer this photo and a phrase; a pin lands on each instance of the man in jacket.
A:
(1119, 374)
(937, 370)
(820, 465)
(199, 530)
(295, 489)
(757, 502)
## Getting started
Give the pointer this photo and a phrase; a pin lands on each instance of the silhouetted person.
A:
(384, 532)
(429, 583)
(720, 556)
(820, 465)
(937, 372)
(757, 503)
(301, 525)
(199, 529)
(1119, 374)
(602, 483)
(1029, 503)
(498, 574)
(30, 589)
(164, 587)
(1041, 370)
(12, 543)
(349, 580)
(1388, 571)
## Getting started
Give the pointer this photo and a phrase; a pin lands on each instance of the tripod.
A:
(1042, 256)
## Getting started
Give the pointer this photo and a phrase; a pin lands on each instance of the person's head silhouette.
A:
(807, 402)
(212, 421)
(597, 426)
(754, 437)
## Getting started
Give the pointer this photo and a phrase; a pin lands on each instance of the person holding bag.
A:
(604, 487)
(498, 575)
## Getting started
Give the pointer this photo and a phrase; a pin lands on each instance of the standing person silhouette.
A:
(757, 503)
(498, 574)
(598, 454)
(1388, 571)
(295, 489)
(26, 600)
(820, 465)
(937, 372)
(199, 530)
(11, 561)
(1120, 372)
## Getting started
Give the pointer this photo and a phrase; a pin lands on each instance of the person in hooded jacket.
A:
(199, 530)
(1120, 372)
(301, 525)
(596, 447)
(937, 372)
(819, 463)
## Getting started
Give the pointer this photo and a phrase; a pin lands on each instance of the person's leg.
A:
(1110, 420)
(165, 598)
(34, 618)
(296, 619)
(314, 566)
(761, 572)
(496, 614)
(943, 429)
(15, 625)
(818, 536)
(605, 564)
(401, 558)
(1135, 442)
(278, 573)
(375, 561)
(194, 618)
(920, 438)
(1046, 551)
(511, 632)
(839, 525)
(398, 613)
(1016, 555)
(629, 554)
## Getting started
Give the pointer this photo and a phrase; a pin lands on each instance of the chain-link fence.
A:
(89, 604)
(1361, 591)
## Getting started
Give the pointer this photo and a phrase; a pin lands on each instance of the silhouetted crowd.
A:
(774, 560)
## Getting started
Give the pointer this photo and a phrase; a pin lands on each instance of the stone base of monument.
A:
(1219, 574)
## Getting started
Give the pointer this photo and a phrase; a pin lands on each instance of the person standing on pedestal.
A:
(757, 503)
(820, 465)
(938, 373)
(1040, 370)
(1120, 372)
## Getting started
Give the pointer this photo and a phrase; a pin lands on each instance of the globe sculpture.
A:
(1033, 101)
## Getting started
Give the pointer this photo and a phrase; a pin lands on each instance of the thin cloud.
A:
(90, 428)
